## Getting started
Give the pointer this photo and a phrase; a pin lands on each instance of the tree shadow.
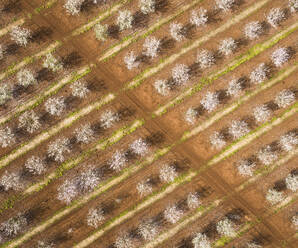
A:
(14, 6)
(113, 31)
(12, 49)
(41, 34)
(71, 60)
(162, 6)
(44, 75)
(124, 113)
(96, 85)
(154, 139)
(140, 20)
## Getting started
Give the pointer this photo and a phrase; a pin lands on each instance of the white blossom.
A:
(147, 6)
(210, 101)
(25, 78)
(58, 148)
(176, 31)
(253, 244)
(238, 129)
(118, 161)
(246, 168)
(2, 51)
(7, 137)
(100, 31)
(227, 46)
(67, 191)
(13, 225)
(139, 147)
(225, 5)
(295, 221)
(124, 241)
(226, 228)
(266, 155)
(199, 18)
(217, 140)
(275, 16)
(130, 59)
(280, 56)
(88, 180)
(84, 134)
(285, 98)
(20, 35)
(151, 47)
(167, 173)
(94, 217)
(5, 93)
(79, 89)
(29, 121)
(201, 241)
(12, 181)
(259, 74)
(292, 182)
(253, 30)
(73, 7)
(144, 188)
(261, 113)
(108, 118)
(55, 105)
(193, 200)
(191, 115)
(124, 20)
(162, 87)
(172, 214)
(293, 5)
(180, 74)
(35, 165)
(288, 141)
(52, 63)
(205, 58)
(42, 244)
(234, 88)
(148, 230)
(274, 196)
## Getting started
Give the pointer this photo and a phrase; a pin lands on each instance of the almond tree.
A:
(274, 196)
(210, 101)
(261, 113)
(67, 191)
(234, 88)
(148, 230)
(20, 35)
(266, 155)
(87, 181)
(285, 98)
(253, 244)
(151, 47)
(295, 221)
(193, 200)
(14, 226)
(147, 6)
(259, 74)
(162, 87)
(124, 20)
(226, 228)
(124, 241)
(5, 93)
(84, 134)
(12, 181)
(172, 214)
(95, 217)
(100, 31)
(130, 59)
(191, 115)
(79, 89)
(227, 46)
(52, 63)
(238, 129)
(73, 7)
(205, 58)
(180, 74)
(58, 148)
(176, 31)
(276, 16)
(293, 5)
(280, 56)
(292, 182)
(35, 165)
(253, 30)
(55, 105)
(7, 137)
(108, 118)
(167, 173)
(225, 5)
(2, 51)
(199, 18)
(246, 168)
(29, 121)
(43, 244)
(25, 78)
(139, 147)
(144, 188)
(200, 240)
(288, 141)
(118, 160)
(217, 140)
